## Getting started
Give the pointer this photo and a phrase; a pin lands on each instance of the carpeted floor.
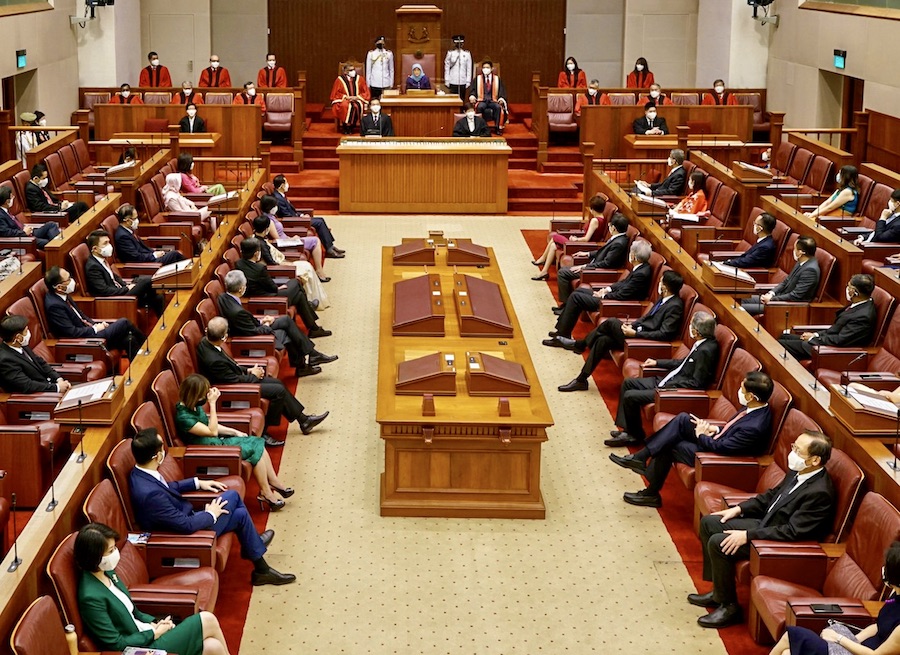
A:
(597, 576)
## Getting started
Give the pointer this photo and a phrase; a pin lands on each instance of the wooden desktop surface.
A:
(422, 115)
(466, 470)
(419, 175)
(724, 147)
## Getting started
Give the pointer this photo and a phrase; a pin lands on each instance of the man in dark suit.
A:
(635, 286)
(261, 284)
(650, 124)
(67, 321)
(887, 228)
(746, 433)
(130, 248)
(218, 366)
(39, 199)
(661, 323)
(288, 336)
(799, 286)
(159, 505)
(611, 254)
(695, 371)
(471, 125)
(21, 371)
(801, 508)
(11, 228)
(674, 182)
(103, 281)
(761, 254)
(191, 123)
(375, 123)
(285, 208)
(854, 325)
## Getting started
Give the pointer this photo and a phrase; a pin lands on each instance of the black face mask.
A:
(380, 46)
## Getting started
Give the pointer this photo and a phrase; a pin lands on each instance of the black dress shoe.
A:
(702, 600)
(309, 422)
(272, 441)
(624, 439)
(722, 617)
(304, 371)
(629, 462)
(319, 358)
(557, 310)
(616, 433)
(553, 343)
(541, 278)
(323, 280)
(642, 499)
(574, 385)
(267, 537)
(339, 250)
(553, 333)
(335, 254)
(271, 577)
(319, 333)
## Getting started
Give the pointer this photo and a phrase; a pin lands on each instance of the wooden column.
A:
(7, 139)
(298, 124)
(539, 120)
(174, 144)
(776, 125)
(419, 31)
(860, 143)
(81, 119)
(683, 132)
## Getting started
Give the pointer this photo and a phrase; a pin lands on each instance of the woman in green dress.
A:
(111, 618)
(196, 427)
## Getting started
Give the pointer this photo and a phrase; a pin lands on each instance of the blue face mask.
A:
(416, 75)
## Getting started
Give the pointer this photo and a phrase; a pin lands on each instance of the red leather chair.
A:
(28, 434)
(39, 631)
(59, 180)
(782, 158)
(202, 549)
(761, 122)
(4, 512)
(191, 335)
(638, 350)
(179, 594)
(634, 309)
(819, 175)
(199, 461)
(716, 226)
(162, 223)
(561, 113)
(624, 98)
(800, 165)
(83, 157)
(279, 112)
(854, 577)
(107, 307)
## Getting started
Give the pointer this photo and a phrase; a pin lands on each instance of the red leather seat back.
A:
(621, 98)
(826, 268)
(39, 631)
(82, 156)
(847, 478)
(724, 204)
(64, 574)
(232, 255)
(120, 462)
(58, 178)
(711, 190)
(779, 236)
(280, 112)
(148, 416)
(884, 305)
(149, 203)
(70, 164)
(727, 343)
(779, 403)
(246, 229)
(866, 185)
(785, 262)
(38, 291)
(78, 257)
(217, 98)
(180, 362)
(25, 307)
(878, 200)
(888, 356)
(206, 310)
(221, 271)
(191, 334)
(110, 224)
(742, 363)
(689, 297)
(679, 98)
(819, 173)
(213, 290)
(800, 165)
(857, 573)
(21, 179)
(165, 391)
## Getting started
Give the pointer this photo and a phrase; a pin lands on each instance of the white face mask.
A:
(593, 92)
(70, 287)
(742, 398)
(571, 67)
(191, 112)
(43, 122)
(837, 178)
(214, 64)
(270, 64)
(187, 92)
(796, 256)
(757, 229)
(26, 339)
(639, 68)
(893, 206)
(692, 332)
(765, 156)
(44, 182)
(470, 115)
(851, 294)
(375, 108)
(670, 161)
(651, 115)
(135, 224)
(719, 89)
(109, 562)
(106, 251)
(654, 94)
(351, 74)
(795, 462)
(287, 188)
(155, 62)
(125, 94)
(251, 92)
(486, 71)
(661, 290)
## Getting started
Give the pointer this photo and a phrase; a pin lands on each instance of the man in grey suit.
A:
(799, 286)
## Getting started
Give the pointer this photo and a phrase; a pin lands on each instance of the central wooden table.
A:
(466, 461)
(422, 115)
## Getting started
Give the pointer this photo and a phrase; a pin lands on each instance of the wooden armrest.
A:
(623, 309)
(25, 408)
(880, 381)
(239, 396)
(737, 472)
(20, 245)
(879, 250)
(211, 461)
(800, 329)
(113, 308)
(839, 359)
(195, 550)
(799, 562)
(262, 345)
(267, 306)
(652, 371)
(163, 600)
(853, 612)
(643, 349)
(675, 401)
(572, 247)
(602, 276)
(719, 255)
(705, 246)
(132, 270)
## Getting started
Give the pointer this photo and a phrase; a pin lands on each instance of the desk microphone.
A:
(52, 504)
(847, 372)
(81, 455)
(130, 361)
(787, 316)
(815, 384)
(17, 561)
(433, 132)
(893, 465)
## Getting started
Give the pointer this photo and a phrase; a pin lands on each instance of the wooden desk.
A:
(408, 176)
(606, 126)
(16, 285)
(465, 461)
(57, 250)
(197, 144)
(240, 126)
(422, 115)
(724, 147)
(748, 192)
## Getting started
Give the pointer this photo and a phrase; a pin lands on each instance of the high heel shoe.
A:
(272, 505)
(536, 263)
(287, 492)
(541, 277)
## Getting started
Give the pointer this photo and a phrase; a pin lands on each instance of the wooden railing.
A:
(848, 140)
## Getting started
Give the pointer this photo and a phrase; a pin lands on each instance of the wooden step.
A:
(545, 205)
(561, 167)
(322, 164)
(543, 192)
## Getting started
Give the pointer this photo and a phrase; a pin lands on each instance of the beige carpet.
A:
(597, 576)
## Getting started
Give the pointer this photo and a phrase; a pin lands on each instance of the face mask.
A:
(639, 67)
(351, 74)
(651, 115)
(892, 206)
(571, 67)
(26, 339)
(125, 94)
(765, 156)
(135, 224)
(742, 398)
(188, 92)
(670, 161)
(661, 290)
(837, 178)
(719, 89)
(470, 115)
(70, 287)
(654, 94)
(593, 92)
(251, 92)
(486, 71)
(692, 332)
(270, 64)
(796, 256)
(191, 112)
(162, 457)
(43, 183)
(375, 109)
(884, 578)
(155, 62)
(43, 122)
(287, 188)
(109, 562)
(757, 229)
(380, 46)
(795, 462)
(106, 251)
(214, 64)
(850, 295)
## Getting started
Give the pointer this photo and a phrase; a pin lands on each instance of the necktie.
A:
(650, 120)
(487, 86)
(677, 370)
(655, 307)
(14, 219)
(75, 309)
(376, 120)
(734, 419)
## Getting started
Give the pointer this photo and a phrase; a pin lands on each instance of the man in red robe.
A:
(249, 96)
(272, 75)
(155, 75)
(125, 97)
(214, 75)
(349, 98)
(489, 96)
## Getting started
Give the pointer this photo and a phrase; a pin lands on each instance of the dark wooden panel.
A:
(315, 35)
(883, 146)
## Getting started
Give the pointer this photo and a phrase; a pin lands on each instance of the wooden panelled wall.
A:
(315, 35)
(883, 147)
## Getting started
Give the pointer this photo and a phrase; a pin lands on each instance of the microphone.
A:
(177, 303)
(80, 430)
(433, 132)
(17, 561)
(130, 360)
(893, 465)
(846, 373)
(787, 317)
(734, 303)
(815, 384)
(52, 504)
(185, 236)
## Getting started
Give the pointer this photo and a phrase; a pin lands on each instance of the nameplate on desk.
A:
(417, 312)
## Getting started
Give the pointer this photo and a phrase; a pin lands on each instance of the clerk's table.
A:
(421, 114)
